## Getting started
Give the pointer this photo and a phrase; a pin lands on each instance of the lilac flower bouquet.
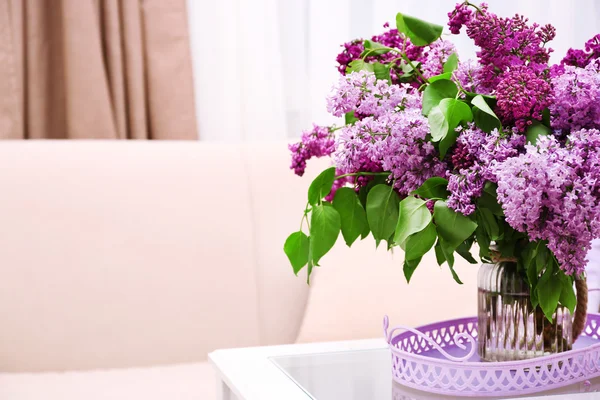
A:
(438, 153)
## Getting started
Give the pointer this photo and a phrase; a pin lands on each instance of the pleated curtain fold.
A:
(95, 69)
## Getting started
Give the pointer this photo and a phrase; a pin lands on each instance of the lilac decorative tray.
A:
(442, 358)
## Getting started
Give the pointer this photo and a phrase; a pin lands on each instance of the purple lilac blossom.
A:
(552, 193)
(362, 93)
(436, 56)
(503, 42)
(576, 102)
(393, 136)
(390, 38)
(474, 156)
(467, 75)
(458, 17)
(318, 142)
(522, 95)
(406, 154)
(581, 58)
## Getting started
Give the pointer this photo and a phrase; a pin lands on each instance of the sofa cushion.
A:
(181, 382)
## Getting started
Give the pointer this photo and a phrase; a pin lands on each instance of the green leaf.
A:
(436, 91)
(454, 228)
(349, 118)
(483, 240)
(439, 253)
(464, 251)
(419, 32)
(382, 71)
(549, 289)
(448, 252)
(455, 275)
(352, 214)
(479, 102)
(409, 268)
(325, 227)
(447, 142)
(433, 188)
(541, 258)
(484, 116)
(546, 117)
(455, 111)
(533, 297)
(486, 217)
(567, 294)
(418, 244)
(536, 130)
(310, 268)
(382, 211)
(359, 65)
(527, 256)
(451, 63)
(296, 249)
(321, 186)
(374, 49)
(414, 216)
(489, 200)
(365, 232)
(438, 124)
(364, 191)
(443, 126)
(445, 75)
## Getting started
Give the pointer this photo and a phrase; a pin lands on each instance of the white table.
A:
(352, 370)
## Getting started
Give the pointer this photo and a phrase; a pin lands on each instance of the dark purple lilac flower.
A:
(390, 38)
(318, 142)
(522, 95)
(503, 42)
(352, 51)
(581, 58)
(459, 17)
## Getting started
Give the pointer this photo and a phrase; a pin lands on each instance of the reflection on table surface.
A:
(366, 375)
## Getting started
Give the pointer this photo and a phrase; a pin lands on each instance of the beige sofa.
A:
(123, 264)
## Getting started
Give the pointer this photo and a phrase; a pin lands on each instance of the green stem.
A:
(474, 6)
(305, 216)
(402, 55)
(377, 49)
(408, 60)
(363, 174)
(393, 61)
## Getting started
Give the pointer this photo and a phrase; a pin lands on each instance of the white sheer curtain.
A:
(262, 68)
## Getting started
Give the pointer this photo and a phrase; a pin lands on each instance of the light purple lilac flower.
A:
(552, 193)
(473, 158)
(436, 56)
(468, 75)
(576, 102)
(390, 138)
(362, 93)
(406, 154)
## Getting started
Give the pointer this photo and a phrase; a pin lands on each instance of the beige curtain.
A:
(105, 69)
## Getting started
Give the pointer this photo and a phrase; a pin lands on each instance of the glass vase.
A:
(509, 327)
